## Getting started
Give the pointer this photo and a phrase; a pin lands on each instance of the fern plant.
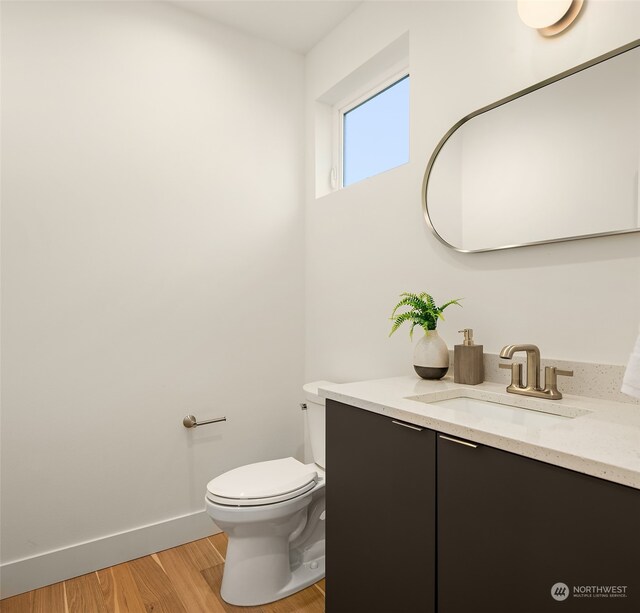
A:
(423, 312)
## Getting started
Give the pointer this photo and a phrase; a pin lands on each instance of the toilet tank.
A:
(315, 419)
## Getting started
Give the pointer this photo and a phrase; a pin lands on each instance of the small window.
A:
(375, 133)
(362, 121)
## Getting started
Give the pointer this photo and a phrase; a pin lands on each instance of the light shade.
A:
(549, 17)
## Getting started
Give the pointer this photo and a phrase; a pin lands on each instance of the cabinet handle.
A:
(399, 423)
(455, 440)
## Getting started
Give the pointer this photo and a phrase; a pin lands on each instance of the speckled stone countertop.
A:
(602, 441)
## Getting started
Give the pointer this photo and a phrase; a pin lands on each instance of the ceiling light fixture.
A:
(549, 17)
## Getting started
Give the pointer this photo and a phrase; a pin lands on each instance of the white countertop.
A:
(603, 442)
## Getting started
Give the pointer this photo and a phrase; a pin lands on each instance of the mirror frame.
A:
(494, 105)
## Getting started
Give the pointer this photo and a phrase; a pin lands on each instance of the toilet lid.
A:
(263, 483)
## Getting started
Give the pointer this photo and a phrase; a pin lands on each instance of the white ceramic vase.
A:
(431, 356)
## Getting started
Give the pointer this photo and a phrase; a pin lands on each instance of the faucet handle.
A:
(563, 373)
(516, 374)
(551, 381)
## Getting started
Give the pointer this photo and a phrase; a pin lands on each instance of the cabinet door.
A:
(380, 514)
(510, 528)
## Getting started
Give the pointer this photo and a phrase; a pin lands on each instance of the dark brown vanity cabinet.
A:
(510, 528)
(381, 527)
(418, 523)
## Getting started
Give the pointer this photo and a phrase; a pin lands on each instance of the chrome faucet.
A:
(532, 387)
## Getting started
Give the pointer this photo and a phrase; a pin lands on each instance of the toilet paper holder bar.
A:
(190, 421)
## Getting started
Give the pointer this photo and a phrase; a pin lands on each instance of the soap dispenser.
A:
(468, 360)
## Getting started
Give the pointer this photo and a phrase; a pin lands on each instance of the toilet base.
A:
(305, 575)
(273, 551)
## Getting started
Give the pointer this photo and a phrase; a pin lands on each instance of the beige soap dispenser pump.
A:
(468, 360)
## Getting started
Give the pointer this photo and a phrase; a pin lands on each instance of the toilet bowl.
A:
(273, 513)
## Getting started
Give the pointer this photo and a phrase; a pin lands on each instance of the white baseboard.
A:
(52, 566)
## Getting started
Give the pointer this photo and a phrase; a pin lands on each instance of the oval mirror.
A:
(557, 161)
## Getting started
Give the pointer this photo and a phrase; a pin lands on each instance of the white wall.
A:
(152, 245)
(369, 242)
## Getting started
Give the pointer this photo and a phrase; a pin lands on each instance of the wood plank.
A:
(49, 599)
(191, 586)
(107, 585)
(84, 595)
(156, 559)
(156, 590)
(202, 554)
(321, 586)
(219, 541)
(309, 600)
(119, 590)
(22, 603)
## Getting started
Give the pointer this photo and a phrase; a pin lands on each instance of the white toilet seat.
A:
(263, 483)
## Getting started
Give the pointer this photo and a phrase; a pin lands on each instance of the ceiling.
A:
(294, 24)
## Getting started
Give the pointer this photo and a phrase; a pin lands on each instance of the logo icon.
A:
(560, 591)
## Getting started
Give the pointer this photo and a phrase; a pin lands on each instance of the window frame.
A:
(385, 80)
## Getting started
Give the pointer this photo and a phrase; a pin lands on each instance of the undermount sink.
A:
(535, 417)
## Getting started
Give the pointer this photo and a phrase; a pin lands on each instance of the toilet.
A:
(273, 513)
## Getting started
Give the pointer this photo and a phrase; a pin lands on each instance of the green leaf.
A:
(411, 300)
(429, 299)
(446, 304)
(410, 316)
(413, 325)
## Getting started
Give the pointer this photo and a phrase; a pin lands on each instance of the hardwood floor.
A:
(184, 579)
